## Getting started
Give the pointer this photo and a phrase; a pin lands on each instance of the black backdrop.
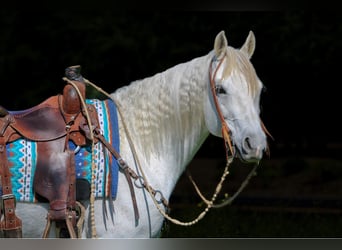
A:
(297, 58)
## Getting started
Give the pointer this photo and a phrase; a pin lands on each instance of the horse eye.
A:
(220, 90)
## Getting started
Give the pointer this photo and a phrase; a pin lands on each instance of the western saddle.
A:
(52, 124)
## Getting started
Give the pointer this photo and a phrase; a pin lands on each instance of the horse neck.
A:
(164, 114)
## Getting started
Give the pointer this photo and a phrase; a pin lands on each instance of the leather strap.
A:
(225, 130)
(122, 164)
(11, 225)
(124, 167)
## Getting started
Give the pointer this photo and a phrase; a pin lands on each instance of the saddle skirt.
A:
(22, 158)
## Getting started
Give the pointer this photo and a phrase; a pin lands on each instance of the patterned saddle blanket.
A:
(22, 158)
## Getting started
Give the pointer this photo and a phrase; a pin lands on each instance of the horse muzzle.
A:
(250, 151)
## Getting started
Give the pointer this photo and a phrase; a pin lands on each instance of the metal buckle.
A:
(6, 197)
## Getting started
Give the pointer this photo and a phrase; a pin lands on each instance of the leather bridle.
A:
(226, 132)
(224, 127)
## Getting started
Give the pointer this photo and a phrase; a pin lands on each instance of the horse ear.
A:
(220, 45)
(249, 45)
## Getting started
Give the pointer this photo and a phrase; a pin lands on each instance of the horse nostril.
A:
(247, 143)
(252, 148)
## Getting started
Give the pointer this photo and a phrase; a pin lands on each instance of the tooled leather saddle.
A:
(52, 124)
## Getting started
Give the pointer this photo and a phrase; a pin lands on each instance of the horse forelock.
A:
(239, 61)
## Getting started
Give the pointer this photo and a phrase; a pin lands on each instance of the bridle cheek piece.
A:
(224, 127)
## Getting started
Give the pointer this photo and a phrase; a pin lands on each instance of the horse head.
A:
(234, 99)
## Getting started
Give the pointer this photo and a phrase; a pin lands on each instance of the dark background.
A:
(297, 58)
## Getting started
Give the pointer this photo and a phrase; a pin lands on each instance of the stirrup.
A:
(68, 222)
